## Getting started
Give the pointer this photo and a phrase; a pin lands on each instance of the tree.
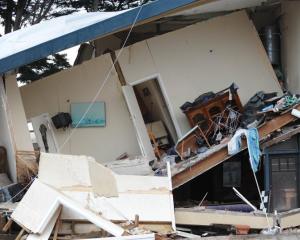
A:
(43, 68)
(107, 5)
(16, 14)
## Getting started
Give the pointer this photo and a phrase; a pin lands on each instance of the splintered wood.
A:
(217, 157)
(42, 202)
(27, 165)
(76, 188)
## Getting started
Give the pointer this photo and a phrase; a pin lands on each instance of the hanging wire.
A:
(92, 102)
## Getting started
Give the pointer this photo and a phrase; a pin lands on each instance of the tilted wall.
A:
(290, 36)
(80, 84)
(207, 56)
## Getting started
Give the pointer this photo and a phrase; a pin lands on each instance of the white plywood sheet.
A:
(71, 171)
(46, 234)
(103, 180)
(129, 183)
(116, 197)
(40, 203)
(62, 171)
(136, 237)
(138, 166)
(36, 208)
(153, 207)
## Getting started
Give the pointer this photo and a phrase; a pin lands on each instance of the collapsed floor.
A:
(216, 189)
(201, 185)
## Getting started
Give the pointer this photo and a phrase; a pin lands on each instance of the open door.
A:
(138, 122)
(44, 133)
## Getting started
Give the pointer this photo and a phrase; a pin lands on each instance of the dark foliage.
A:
(15, 14)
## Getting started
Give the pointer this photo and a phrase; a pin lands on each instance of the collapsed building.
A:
(156, 95)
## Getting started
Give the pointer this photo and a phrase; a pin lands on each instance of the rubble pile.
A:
(74, 196)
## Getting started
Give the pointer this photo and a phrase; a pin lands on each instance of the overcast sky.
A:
(71, 52)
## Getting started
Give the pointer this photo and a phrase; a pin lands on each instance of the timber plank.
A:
(222, 155)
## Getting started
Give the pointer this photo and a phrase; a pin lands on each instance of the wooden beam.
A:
(290, 219)
(21, 233)
(222, 155)
(282, 137)
(118, 68)
(57, 224)
(194, 217)
(7, 225)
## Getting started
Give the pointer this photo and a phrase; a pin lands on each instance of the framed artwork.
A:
(95, 117)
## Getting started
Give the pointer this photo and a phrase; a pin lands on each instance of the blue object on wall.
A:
(95, 114)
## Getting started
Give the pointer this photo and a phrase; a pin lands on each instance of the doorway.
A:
(284, 171)
(156, 114)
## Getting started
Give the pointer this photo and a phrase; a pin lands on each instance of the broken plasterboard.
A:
(136, 166)
(99, 175)
(150, 197)
(46, 234)
(150, 207)
(41, 202)
(77, 172)
(147, 196)
(62, 171)
(36, 208)
(134, 237)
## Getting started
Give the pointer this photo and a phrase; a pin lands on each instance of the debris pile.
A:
(74, 197)
(78, 189)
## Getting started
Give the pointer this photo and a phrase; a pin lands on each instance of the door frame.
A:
(158, 77)
(138, 123)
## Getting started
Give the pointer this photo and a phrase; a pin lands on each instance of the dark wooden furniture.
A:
(205, 119)
(203, 114)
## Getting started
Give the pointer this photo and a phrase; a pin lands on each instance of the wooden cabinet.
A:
(204, 114)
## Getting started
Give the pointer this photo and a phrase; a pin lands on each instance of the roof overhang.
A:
(115, 23)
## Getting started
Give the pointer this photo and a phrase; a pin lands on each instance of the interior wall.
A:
(156, 105)
(6, 138)
(16, 110)
(290, 30)
(80, 84)
(207, 56)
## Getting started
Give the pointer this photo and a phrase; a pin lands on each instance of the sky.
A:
(71, 52)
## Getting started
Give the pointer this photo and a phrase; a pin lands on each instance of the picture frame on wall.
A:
(86, 114)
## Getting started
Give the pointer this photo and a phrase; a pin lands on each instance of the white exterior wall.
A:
(207, 56)
(290, 30)
(17, 114)
(80, 84)
(6, 137)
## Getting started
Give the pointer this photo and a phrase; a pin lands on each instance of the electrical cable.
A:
(93, 99)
